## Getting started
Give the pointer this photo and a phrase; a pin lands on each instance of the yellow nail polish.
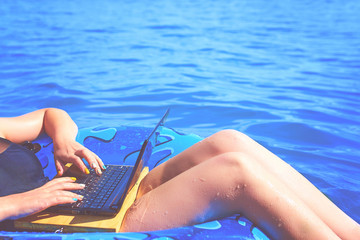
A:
(87, 171)
(73, 178)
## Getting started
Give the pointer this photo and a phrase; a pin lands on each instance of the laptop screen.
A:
(146, 151)
(152, 140)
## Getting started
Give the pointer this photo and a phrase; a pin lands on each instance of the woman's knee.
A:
(228, 141)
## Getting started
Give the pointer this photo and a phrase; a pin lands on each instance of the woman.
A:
(224, 174)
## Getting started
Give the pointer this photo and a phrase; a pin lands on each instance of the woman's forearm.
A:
(4, 209)
(58, 125)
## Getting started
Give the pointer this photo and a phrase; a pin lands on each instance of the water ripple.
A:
(166, 27)
(176, 65)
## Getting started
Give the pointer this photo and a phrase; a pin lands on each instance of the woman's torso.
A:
(20, 169)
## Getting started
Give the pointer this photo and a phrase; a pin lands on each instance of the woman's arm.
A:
(55, 122)
(52, 193)
(60, 127)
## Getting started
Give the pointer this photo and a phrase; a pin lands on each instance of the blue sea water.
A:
(285, 72)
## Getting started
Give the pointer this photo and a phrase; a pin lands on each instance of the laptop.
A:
(104, 195)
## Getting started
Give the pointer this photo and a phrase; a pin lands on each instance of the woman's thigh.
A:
(216, 144)
(225, 184)
(183, 200)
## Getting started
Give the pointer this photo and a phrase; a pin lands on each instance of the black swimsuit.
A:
(20, 169)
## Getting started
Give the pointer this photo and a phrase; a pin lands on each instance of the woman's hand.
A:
(52, 193)
(70, 151)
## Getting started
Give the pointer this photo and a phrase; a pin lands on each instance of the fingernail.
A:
(98, 171)
(104, 167)
(87, 171)
(59, 172)
(75, 199)
(73, 178)
(80, 197)
(93, 165)
(82, 185)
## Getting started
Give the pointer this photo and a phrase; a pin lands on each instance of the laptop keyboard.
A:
(99, 188)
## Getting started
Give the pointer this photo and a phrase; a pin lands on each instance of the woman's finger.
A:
(63, 183)
(100, 162)
(59, 167)
(91, 158)
(61, 179)
(61, 199)
(75, 159)
(68, 186)
(62, 193)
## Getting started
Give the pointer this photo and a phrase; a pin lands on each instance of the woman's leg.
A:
(227, 184)
(233, 141)
(199, 152)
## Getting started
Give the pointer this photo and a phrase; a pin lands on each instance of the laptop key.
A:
(78, 204)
